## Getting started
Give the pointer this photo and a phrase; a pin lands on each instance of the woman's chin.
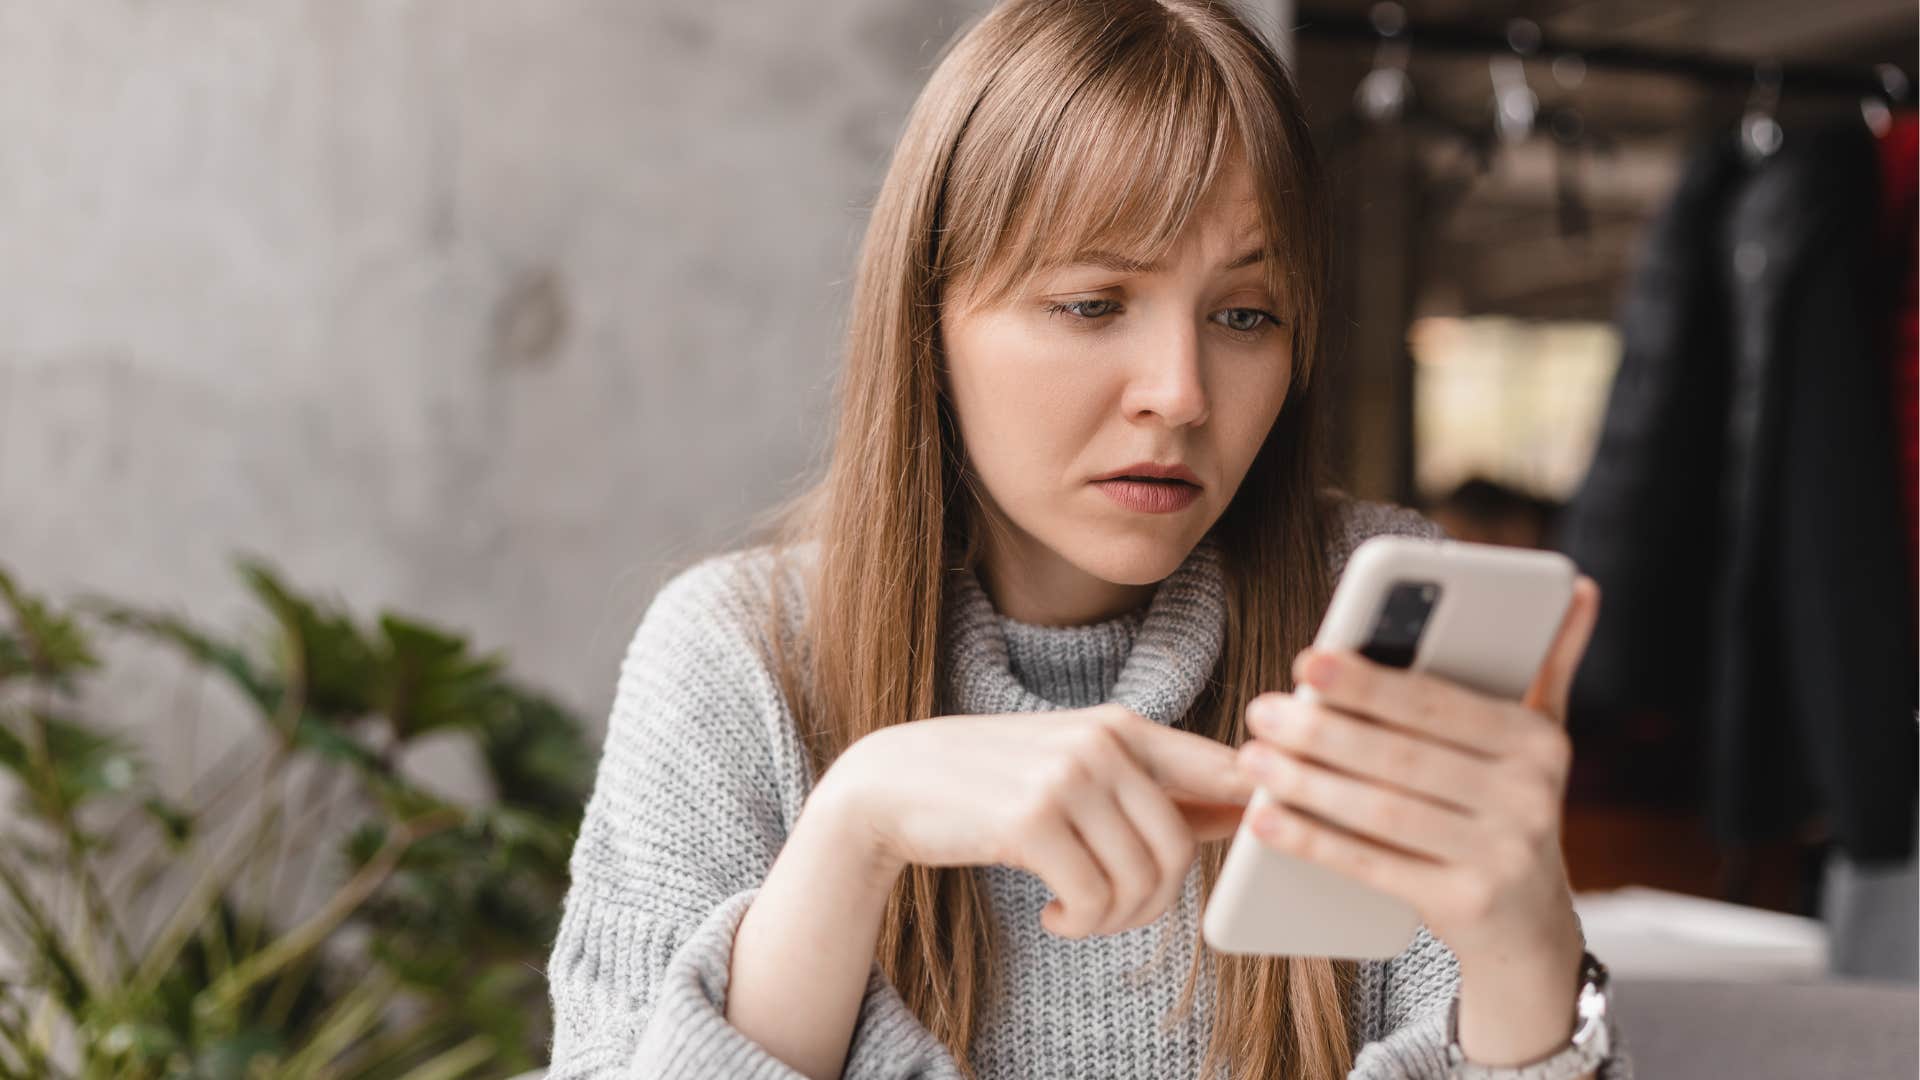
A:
(1132, 559)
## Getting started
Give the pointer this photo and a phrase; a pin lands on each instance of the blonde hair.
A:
(1050, 126)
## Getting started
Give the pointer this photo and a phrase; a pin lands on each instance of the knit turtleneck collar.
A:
(1155, 661)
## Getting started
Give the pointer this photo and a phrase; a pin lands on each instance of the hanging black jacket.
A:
(1741, 514)
(1642, 522)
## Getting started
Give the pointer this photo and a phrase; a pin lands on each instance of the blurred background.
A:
(365, 366)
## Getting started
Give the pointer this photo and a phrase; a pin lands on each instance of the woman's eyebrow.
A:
(1120, 264)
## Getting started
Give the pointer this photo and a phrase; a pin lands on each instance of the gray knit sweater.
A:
(702, 778)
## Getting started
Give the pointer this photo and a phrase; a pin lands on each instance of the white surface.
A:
(1651, 933)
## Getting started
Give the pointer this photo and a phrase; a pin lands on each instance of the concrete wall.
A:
(493, 312)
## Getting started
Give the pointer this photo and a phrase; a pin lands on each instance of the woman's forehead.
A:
(1234, 226)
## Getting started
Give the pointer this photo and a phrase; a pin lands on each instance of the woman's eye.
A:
(1238, 320)
(1246, 320)
(1076, 308)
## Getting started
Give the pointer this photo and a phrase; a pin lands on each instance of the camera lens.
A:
(1396, 631)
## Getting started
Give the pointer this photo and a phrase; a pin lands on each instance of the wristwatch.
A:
(1583, 1053)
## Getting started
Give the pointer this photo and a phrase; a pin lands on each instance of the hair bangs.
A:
(1119, 165)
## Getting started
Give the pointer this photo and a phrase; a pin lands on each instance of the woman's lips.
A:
(1150, 496)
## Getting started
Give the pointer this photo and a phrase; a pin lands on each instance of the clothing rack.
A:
(1524, 38)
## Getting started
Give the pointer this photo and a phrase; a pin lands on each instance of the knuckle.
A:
(1355, 858)
(1540, 814)
(1307, 728)
(1116, 719)
(1475, 899)
(1041, 807)
(1401, 757)
(1283, 776)
(1511, 859)
(1103, 897)
(1388, 815)
(1260, 712)
(1066, 774)
(1086, 912)
(1164, 862)
(1553, 749)
(1361, 681)
(1181, 854)
(1418, 704)
(1096, 744)
(1313, 843)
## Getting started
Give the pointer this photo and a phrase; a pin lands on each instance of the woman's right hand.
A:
(1104, 805)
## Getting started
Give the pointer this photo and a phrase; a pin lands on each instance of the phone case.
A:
(1489, 629)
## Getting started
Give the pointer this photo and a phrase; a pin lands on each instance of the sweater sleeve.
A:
(697, 786)
(1419, 987)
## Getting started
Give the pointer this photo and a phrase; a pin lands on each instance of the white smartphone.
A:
(1480, 615)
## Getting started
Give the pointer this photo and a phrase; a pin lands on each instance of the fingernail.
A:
(1267, 822)
(1322, 669)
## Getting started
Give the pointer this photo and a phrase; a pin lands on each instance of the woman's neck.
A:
(1031, 583)
(1154, 660)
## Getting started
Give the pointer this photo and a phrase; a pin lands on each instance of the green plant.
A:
(146, 935)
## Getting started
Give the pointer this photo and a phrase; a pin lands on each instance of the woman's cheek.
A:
(1246, 406)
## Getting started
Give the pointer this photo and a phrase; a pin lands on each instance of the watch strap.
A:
(1584, 1052)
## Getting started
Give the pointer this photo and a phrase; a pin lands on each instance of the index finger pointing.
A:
(1188, 763)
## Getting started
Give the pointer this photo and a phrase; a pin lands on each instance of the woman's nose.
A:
(1165, 377)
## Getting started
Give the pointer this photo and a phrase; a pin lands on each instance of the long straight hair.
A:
(1048, 127)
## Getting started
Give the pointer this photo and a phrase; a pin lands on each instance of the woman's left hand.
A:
(1446, 798)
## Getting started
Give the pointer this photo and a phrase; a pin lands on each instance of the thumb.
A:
(1553, 686)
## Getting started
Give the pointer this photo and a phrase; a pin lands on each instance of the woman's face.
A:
(1097, 367)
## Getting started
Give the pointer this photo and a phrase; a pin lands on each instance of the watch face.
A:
(1593, 971)
(1592, 1008)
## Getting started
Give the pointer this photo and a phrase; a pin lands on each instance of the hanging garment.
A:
(1761, 580)
(1642, 524)
(1869, 908)
(1900, 225)
(1814, 629)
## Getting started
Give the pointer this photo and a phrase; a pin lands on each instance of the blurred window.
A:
(1515, 401)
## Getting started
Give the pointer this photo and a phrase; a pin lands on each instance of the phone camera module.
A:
(1396, 630)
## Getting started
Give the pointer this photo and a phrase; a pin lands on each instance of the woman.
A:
(935, 781)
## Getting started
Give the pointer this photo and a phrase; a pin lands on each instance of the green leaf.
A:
(537, 753)
(140, 1039)
(14, 660)
(509, 830)
(90, 762)
(222, 657)
(328, 735)
(353, 1015)
(80, 763)
(431, 680)
(239, 1055)
(321, 649)
(176, 825)
(455, 1063)
(51, 957)
(50, 645)
(330, 739)
(454, 907)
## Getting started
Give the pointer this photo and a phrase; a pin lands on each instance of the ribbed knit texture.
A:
(702, 777)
